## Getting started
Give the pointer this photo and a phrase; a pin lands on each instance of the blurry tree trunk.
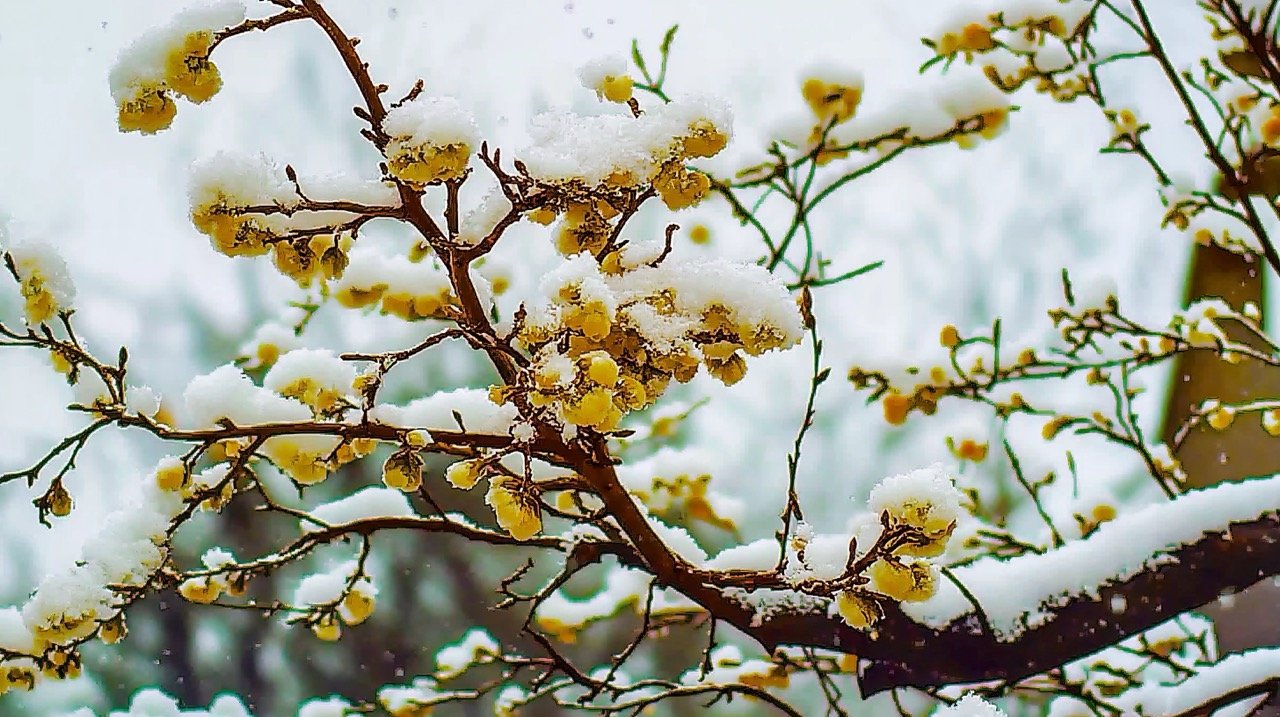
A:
(1244, 449)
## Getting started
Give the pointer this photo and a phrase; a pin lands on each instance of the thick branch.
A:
(904, 653)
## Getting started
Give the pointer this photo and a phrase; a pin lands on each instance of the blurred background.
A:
(965, 236)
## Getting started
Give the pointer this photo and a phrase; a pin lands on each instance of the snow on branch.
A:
(1133, 573)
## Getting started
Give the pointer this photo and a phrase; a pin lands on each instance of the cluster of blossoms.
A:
(304, 385)
(607, 343)
(399, 286)
(85, 599)
(594, 169)
(832, 94)
(342, 596)
(675, 485)
(924, 506)
(204, 589)
(167, 61)
(43, 280)
(430, 140)
(248, 206)
(1023, 41)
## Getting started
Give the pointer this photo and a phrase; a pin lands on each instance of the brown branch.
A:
(265, 23)
(1229, 174)
(904, 653)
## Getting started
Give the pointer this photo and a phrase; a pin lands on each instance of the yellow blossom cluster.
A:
(921, 508)
(833, 96)
(169, 62)
(682, 497)
(319, 257)
(598, 358)
(409, 290)
(43, 281)
(428, 164)
(308, 459)
(223, 191)
(587, 214)
(429, 141)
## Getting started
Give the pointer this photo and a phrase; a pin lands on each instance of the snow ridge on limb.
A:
(1203, 544)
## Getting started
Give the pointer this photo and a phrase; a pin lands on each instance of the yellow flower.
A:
(1270, 130)
(679, 187)
(1221, 418)
(203, 590)
(189, 70)
(464, 474)
(970, 450)
(517, 512)
(149, 110)
(896, 406)
(327, 628)
(909, 582)
(542, 215)
(704, 140)
(39, 304)
(728, 371)
(831, 101)
(113, 630)
(616, 88)
(858, 612)
(949, 336)
(357, 606)
(602, 369)
(403, 470)
(595, 410)
(428, 164)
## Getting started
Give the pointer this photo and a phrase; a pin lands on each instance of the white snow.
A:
(969, 706)
(366, 503)
(435, 121)
(1022, 592)
(435, 413)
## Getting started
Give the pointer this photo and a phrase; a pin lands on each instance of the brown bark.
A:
(1244, 449)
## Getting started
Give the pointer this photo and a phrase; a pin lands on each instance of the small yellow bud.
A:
(403, 470)
(896, 406)
(58, 499)
(699, 234)
(1221, 418)
(417, 438)
(113, 630)
(1103, 512)
(203, 590)
(859, 612)
(357, 607)
(949, 336)
(464, 474)
(327, 628)
(616, 88)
